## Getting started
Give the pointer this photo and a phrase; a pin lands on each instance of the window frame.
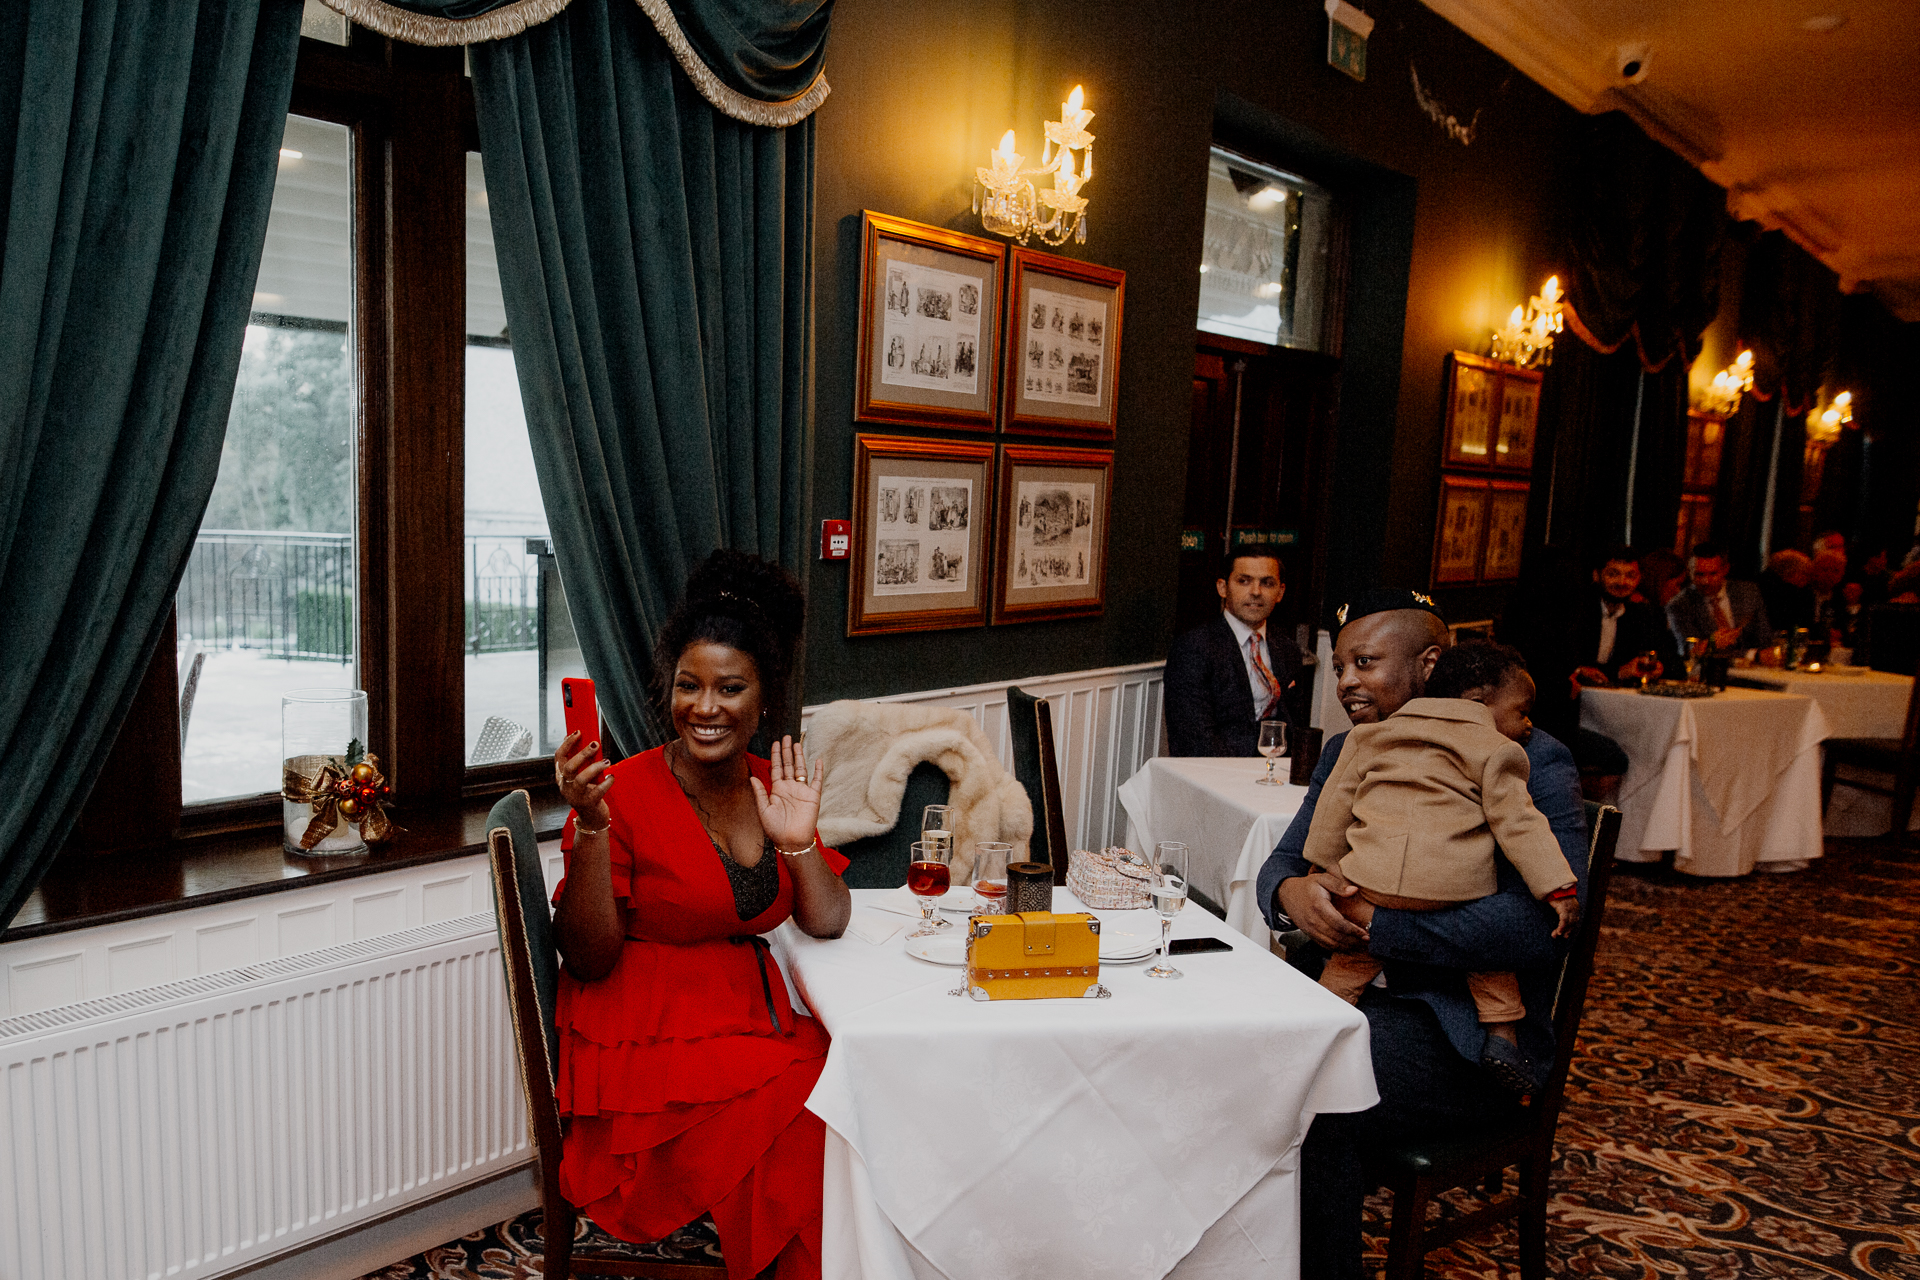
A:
(412, 118)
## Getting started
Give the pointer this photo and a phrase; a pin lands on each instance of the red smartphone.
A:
(583, 713)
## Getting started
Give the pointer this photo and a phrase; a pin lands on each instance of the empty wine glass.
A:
(936, 826)
(928, 875)
(1169, 890)
(1273, 745)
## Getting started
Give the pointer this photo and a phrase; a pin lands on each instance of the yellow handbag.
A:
(1035, 955)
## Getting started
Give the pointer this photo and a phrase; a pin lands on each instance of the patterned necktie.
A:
(1260, 668)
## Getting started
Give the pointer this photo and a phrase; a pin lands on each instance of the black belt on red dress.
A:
(761, 950)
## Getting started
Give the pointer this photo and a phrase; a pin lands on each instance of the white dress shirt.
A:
(1610, 611)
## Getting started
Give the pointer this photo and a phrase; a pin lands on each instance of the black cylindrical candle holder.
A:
(1029, 887)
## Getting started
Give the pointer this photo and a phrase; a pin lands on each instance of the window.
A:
(336, 549)
(1263, 261)
(266, 604)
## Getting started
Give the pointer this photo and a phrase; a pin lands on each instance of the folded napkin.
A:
(898, 901)
(871, 926)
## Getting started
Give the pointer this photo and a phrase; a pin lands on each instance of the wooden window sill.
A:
(86, 889)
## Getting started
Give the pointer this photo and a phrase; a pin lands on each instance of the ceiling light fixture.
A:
(1012, 204)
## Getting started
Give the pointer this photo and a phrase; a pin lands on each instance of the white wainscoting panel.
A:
(1106, 724)
(208, 1125)
(112, 959)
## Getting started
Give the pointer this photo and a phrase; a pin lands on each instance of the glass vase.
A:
(321, 727)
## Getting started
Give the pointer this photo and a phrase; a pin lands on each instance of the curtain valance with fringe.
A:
(758, 61)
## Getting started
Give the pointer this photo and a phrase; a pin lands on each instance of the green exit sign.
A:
(1193, 540)
(1265, 537)
(1347, 32)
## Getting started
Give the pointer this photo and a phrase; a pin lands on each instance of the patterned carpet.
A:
(1745, 1103)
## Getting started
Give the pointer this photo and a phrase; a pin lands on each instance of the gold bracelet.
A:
(794, 853)
(581, 830)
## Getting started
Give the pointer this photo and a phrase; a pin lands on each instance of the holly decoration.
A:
(353, 791)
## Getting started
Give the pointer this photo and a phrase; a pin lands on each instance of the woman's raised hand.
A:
(583, 785)
(790, 808)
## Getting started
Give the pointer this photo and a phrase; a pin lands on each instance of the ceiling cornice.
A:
(1529, 35)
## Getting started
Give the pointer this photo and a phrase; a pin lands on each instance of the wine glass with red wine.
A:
(928, 876)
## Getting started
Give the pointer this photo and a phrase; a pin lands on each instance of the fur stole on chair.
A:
(869, 748)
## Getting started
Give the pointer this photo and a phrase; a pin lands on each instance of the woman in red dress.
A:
(683, 1066)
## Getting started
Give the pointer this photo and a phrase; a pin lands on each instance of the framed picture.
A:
(1519, 419)
(1063, 346)
(1052, 522)
(1472, 394)
(1462, 531)
(929, 352)
(1506, 531)
(922, 511)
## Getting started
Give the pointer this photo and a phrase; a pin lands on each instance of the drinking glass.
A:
(928, 875)
(990, 877)
(1169, 889)
(1273, 745)
(936, 827)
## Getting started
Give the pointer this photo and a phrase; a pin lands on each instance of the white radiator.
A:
(204, 1126)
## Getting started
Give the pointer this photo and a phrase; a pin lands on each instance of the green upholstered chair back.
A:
(880, 862)
(527, 947)
(1030, 727)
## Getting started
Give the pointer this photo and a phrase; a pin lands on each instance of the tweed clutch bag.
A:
(1106, 880)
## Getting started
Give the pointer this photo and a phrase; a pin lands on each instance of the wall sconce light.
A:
(1823, 426)
(1012, 205)
(1729, 385)
(1527, 340)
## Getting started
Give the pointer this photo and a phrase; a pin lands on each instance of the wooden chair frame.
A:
(514, 873)
(1417, 1173)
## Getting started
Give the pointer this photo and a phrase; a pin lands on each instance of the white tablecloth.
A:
(1729, 782)
(1070, 1137)
(1871, 704)
(1228, 821)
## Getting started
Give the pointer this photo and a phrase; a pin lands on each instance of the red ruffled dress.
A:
(684, 1094)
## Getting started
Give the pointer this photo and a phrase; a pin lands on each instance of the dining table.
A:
(1858, 703)
(1155, 1131)
(1729, 783)
(1229, 821)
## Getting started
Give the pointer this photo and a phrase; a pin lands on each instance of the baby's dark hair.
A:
(746, 603)
(1473, 664)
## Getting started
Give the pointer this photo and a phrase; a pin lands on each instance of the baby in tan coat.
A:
(1417, 806)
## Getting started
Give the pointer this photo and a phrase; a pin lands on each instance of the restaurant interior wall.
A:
(1452, 233)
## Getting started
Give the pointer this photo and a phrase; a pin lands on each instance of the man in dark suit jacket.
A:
(1227, 675)
(1731, 614)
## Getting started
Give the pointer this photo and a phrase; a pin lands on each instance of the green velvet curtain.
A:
(138, 144)
(656, 262)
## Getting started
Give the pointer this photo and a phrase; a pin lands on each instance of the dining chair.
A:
(880, 862)
(1030, 727)
(532, 962)
(1894, 756)
(1416, 1172)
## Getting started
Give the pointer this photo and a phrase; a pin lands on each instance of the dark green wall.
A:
(1446, 239)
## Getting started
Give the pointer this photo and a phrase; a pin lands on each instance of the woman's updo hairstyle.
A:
(746, 603)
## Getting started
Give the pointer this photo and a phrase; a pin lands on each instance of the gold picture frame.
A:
(1461, 532)
(923, 516)
(930, 317)
(1051, 532)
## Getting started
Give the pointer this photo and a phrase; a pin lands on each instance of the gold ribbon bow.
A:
(338, 793)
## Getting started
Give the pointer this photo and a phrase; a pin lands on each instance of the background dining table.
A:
(1229, 822)
(1730, 783)
(1857, 703)
(1156, 1132)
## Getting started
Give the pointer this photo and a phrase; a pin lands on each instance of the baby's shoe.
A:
(1512, 1068)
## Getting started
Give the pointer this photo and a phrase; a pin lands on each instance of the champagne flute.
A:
(936, 826)
(928, 875)
(990, 877)
(1273, 745)
(1169, 890)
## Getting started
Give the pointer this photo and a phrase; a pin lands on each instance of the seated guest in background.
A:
(1424, 1032)
(1824, 577)
(1226, 676)
(1783, 589)
(1730, 615)
(1662, 575)
(1616, 631)
(1829, 540)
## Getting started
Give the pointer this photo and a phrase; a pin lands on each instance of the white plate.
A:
(959, 900)
(948, 947)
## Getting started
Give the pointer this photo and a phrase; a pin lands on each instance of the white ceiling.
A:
(1806, 111)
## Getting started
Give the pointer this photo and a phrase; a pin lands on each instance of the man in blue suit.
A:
(1425, 1033)
(1227, 675)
